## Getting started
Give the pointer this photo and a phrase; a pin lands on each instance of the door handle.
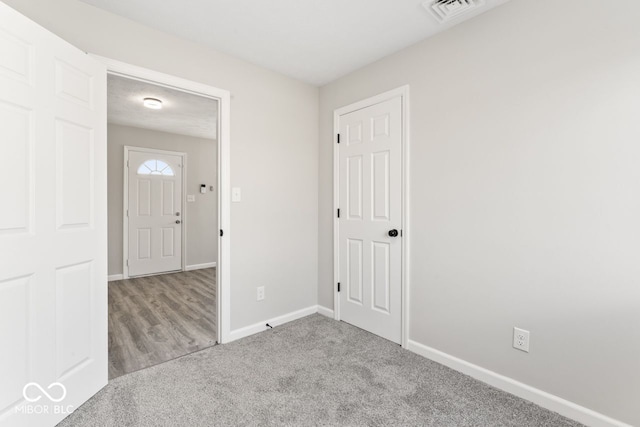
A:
(177, 213)
(393, 233)
(178, 221)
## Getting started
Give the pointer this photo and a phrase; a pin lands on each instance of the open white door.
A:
(53, 225)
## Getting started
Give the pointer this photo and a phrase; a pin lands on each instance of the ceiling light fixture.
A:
(153, 103)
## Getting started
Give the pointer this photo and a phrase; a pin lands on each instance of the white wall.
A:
(525, 175)
(201, 216)
(274, 137)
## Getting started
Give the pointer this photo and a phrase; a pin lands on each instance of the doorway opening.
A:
(163, 169)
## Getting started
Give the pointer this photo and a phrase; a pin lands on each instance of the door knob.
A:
(393, 233)
(178, 221)
(177, 213)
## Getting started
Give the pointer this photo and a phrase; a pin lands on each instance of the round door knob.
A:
(393, 233)
(178, 221)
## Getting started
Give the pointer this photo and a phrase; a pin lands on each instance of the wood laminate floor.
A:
(158, 318)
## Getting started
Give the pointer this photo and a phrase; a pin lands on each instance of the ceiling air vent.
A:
(446, 10)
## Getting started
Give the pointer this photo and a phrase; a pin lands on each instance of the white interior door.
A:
(53, 224)
(155, 214)
(370, 194)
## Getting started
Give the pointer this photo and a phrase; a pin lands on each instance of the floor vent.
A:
(446, 10)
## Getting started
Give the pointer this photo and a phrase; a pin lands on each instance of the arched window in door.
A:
(155, 167)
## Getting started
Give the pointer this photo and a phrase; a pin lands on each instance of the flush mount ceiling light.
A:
(445, 10)
(153, 103)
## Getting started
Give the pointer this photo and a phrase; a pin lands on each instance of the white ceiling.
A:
(315, 41)
(182, 113)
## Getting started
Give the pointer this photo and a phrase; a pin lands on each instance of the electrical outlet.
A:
(236, 194)
(521, 339)
(260, 296)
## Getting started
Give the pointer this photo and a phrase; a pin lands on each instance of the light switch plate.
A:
(236, 194)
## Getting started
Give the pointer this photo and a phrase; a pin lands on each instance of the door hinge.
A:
(338, 139)
(127, 213)
(127, 263)
(338, 213)
(338, 286)
(221, 233)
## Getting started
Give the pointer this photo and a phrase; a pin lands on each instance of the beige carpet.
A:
(311, 372)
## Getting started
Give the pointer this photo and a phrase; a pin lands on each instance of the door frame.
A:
(125, 207)
(403, 93)
(223, 270)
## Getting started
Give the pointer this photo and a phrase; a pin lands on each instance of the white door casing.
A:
(153, 211)
(53, 221)
(223, 270)
(370, 203)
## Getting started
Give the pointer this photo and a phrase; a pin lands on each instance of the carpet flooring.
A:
(310, 372)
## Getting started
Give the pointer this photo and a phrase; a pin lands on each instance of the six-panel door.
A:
(53, 224)
(370, 194)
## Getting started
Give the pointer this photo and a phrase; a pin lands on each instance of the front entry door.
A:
(370, 194)
(154, 212)
(53, 224)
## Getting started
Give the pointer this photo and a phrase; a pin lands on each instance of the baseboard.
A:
(546, 400)
(200, 266)
(276, 321)
(325, 311)
(114, 277)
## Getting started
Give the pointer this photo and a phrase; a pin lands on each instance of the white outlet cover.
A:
(191, 198)
(521, 339)
(236, 194)
(260, 293)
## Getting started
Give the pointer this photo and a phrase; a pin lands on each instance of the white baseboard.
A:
(542, 398)
(200, 266)
(276, 321)
(325, 311)
(114, 277)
